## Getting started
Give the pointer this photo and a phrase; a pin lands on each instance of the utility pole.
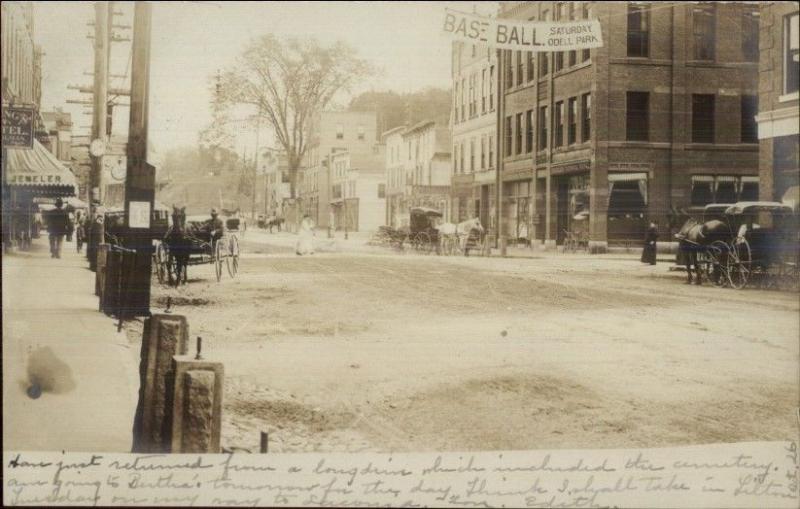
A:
(102, 14)
(140, 176)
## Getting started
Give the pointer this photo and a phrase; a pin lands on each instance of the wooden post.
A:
(264, 442)
(100, 96)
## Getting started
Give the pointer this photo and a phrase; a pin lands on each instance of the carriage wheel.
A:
(219, 255)
(232, 259)
(161, 263)
(740, 264)
(423, 242)
(718, 253)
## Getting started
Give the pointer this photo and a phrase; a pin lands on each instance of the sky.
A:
(192, 40)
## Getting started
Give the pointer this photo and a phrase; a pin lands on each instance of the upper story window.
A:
(750, 36)
(520, 74)
(703, 22)
(491, 88)
(637, 113)
(703, 118)
(509, 70)
(638, 30)
(507, 137)
(361, 133)
(791, 53)
(339, 132)
(530, 66)
(586, 13)
(544, 121)
(586, 107)
(749, 127)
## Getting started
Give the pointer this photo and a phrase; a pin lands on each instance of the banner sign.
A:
(18, 127)
(523, 35)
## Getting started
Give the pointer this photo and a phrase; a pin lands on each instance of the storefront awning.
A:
(627, 177)
(38, 171)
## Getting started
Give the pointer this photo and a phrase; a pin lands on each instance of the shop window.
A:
(702, 190)
(543, 122)
(703, 21)
(558, 124)
(791, 54)
(637, 113)
(750, 36)
(749, 127)
(702, 118)
(572, 120)
(586, 107)
(748, 189)
(638, 30)
(627, 195)
(519, 127)
(725, 189)
(529, 131)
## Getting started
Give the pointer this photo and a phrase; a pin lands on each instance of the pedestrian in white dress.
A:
(305, 237)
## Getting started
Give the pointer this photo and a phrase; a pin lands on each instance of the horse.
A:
(179, 243)
(274, 221)
(694, 238)
(468, 233)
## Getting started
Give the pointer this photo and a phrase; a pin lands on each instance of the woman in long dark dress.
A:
(649, 251)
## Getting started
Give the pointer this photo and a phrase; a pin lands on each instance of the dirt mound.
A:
(289, 413)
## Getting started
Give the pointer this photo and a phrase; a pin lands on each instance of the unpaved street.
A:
(386, 352)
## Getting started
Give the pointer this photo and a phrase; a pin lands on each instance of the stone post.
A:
(197, 406)
(163, 337)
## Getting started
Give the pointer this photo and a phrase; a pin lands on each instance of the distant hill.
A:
(197, 181)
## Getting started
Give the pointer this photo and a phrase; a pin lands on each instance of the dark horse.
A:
(695, 238)
(179, 245)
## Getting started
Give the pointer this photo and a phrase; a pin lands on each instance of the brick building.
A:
(779, 115)
(355, 132)
(474, 128)
(660, 119)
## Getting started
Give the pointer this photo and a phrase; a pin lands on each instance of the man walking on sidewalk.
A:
(57, 226)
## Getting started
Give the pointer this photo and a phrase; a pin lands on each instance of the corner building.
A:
(656, 123)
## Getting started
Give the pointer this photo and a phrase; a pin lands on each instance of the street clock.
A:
(118, 171)
(97, 148)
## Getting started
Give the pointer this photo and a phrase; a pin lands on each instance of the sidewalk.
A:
(53, 332)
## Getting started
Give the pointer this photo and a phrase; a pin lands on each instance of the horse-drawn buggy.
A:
(420, 233)
(196, 240)
(741, 244)
(456, 239)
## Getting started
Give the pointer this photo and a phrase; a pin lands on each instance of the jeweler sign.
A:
(18, 127)
(523, 35)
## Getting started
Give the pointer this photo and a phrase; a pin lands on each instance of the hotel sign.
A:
(523, 35)
(18, 127)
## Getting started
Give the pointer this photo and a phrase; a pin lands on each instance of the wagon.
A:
(423, 235)
(763, 248)
(201, 250)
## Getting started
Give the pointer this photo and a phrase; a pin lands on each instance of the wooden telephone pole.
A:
(102, 13)
(140, 176)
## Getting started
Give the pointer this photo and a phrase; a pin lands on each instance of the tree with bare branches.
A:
(288, 82)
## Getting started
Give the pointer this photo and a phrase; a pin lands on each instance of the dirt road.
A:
(358, 352)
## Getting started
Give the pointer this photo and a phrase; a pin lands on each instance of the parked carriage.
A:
(761, 246)
(201, 250)
(420, 233)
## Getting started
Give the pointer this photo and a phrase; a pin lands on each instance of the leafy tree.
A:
(288, 82)
(395, 109)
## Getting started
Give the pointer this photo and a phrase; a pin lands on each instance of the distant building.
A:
(474, 127)
(418, 169)
(21, 58)
(274, 175)
(354, 132)
(358, 192)
(58, 125)
(778, 105)
(660, 118)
